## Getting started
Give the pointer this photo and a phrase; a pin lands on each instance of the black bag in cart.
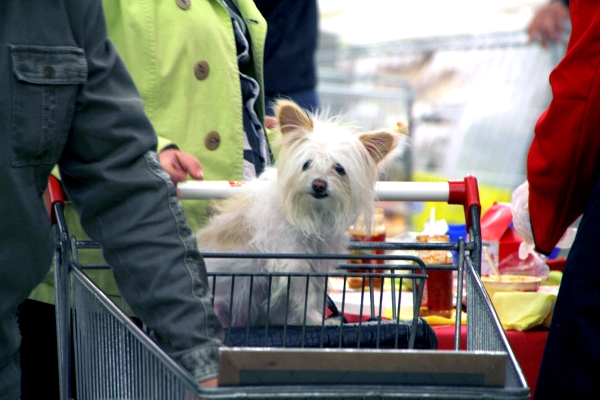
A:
(370, 334)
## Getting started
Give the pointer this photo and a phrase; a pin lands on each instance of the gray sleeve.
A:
(127, 203)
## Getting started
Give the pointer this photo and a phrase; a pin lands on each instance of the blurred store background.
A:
(462, 74)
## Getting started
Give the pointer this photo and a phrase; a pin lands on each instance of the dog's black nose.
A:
(319, 185)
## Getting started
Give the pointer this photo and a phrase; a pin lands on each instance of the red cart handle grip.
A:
(54, 193)
(465, 192)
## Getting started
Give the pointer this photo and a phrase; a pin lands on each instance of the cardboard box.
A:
(498, 235)
(268, 366)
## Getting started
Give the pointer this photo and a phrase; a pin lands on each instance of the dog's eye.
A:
(306, 165)
(340, 170)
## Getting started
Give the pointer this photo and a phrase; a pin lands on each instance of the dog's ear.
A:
(379, 143)
(291, 117)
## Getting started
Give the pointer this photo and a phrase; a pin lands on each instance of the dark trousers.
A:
(39, 357)
(571, 363)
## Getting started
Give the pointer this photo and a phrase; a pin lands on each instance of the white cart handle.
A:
(454, 192)
(464, 192)
(388, 191)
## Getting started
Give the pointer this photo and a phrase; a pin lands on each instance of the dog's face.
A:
(326, 173)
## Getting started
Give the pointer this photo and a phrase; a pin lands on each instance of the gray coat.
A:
(66, 99)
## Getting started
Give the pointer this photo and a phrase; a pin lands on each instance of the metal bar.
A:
(287, 307)
(320, 256)
(459, 290)
(249, 308)
(342, 310)
(230, 312)
(384, 190)
(62, 291)
(270, 287)
(323, 311)
(393, 294)
(379, 319)
(306, 289)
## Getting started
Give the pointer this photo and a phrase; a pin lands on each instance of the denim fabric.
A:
(49, 77)
(67, 99)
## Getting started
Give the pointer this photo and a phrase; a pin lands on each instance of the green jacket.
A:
(184, 64)
(162, 46)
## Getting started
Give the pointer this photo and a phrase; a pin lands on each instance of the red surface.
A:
(527, 346)
(557, 264)
(495, 227)
(495, 221)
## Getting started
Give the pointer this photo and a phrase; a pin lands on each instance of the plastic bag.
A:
(532, 265)
(519, 206)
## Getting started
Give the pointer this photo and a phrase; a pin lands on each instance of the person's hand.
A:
(519, 206)
(548, 23)
(179, 164)
(209, 383)
(271, 122)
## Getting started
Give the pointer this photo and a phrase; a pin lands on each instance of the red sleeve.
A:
(563, 161)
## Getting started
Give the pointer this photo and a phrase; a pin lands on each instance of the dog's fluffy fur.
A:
(323, 180)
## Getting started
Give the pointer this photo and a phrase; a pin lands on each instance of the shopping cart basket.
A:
(114, 358)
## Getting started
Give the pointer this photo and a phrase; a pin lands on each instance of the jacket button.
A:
(184, 4)
(201, 70)
(212, 140)
(49, 72)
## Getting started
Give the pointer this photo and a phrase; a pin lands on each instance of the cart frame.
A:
(135, 367)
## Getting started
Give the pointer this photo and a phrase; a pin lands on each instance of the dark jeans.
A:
(571, 363)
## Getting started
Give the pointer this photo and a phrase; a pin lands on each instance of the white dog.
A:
(323, 181)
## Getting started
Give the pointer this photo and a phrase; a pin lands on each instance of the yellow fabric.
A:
(554, 278)
(520, 311)
(436, 320)
(406, 313)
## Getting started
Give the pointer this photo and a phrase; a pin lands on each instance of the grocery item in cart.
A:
(498, 235)
(323, 181)
(438, 292)
(510, 283)
(376, 233)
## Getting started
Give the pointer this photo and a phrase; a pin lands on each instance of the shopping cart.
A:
(115, 358)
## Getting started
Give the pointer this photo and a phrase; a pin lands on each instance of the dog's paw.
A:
(338, 320)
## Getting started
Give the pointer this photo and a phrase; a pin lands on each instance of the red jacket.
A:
(564, 157)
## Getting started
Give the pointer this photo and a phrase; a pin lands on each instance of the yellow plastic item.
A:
(520, 311)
